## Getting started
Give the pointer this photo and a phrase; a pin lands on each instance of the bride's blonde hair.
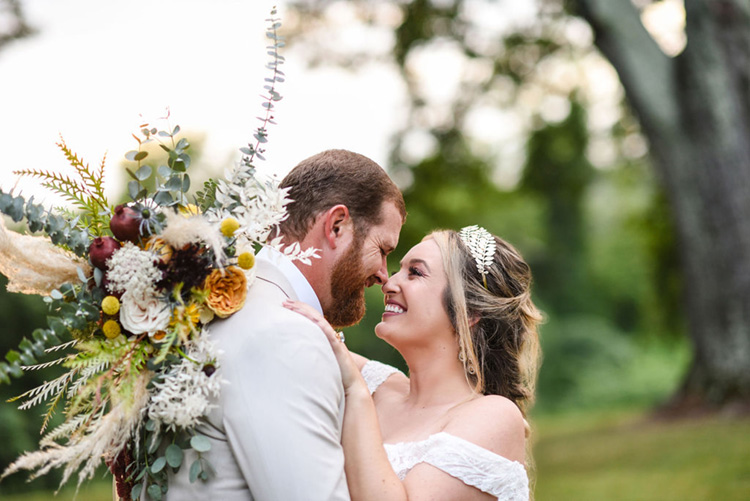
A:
(496, 326)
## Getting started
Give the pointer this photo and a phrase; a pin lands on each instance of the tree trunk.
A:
(695, 111)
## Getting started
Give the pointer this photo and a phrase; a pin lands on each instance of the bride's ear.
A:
(337, 223)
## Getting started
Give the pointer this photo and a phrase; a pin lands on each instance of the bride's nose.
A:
(390, 285)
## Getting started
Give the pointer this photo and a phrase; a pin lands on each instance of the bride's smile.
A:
(414, 297)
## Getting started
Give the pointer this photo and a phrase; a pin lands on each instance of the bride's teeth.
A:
(393, 308)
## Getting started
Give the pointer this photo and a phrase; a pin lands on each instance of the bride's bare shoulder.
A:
(359, 360)
(493, 422)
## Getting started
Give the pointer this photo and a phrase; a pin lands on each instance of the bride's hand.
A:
(350, 374)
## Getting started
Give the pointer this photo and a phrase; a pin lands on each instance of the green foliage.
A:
(62, 231)
(86, 193)
(590, 364)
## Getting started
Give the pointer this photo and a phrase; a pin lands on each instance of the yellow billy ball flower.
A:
(111, 329)
(110, 305)
(246, 260)
(229, 226)
(190, 210)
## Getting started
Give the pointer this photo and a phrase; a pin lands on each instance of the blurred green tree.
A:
(692, 108)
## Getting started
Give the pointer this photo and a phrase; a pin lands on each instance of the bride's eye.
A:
(415, 271)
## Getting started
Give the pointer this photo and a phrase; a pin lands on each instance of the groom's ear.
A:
(337, 224)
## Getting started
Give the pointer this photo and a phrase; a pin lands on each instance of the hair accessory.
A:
(481, 243)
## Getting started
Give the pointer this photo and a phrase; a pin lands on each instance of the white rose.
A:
(144, 314)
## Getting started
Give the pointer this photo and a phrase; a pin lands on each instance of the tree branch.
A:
(645, 71)
(18, 27)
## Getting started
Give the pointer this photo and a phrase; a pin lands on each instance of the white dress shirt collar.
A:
(299, 283)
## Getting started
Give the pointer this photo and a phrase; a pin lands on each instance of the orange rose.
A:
(162, 249)
(227, 290)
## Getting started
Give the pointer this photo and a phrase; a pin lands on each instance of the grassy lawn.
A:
(612, 456)
(96, 490)
(622, 456)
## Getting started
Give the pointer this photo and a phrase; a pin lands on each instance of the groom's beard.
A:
(348, 280)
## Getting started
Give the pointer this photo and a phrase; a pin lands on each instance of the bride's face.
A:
(414, 309)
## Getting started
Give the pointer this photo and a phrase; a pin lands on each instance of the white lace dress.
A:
(459, 458)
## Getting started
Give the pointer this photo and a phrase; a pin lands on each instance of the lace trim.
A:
(375, 373)
(464, 460)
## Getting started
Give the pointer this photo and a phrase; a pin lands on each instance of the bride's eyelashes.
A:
(414, 271)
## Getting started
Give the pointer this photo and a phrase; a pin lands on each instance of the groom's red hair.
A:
(335, 177)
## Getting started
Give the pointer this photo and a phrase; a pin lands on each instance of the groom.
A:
(275, 433)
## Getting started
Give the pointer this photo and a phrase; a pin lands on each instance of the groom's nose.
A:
(381, 276)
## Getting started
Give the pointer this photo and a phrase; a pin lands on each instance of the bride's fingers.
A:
(349, 370)
(312, 314)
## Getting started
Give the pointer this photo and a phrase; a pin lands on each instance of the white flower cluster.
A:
(133, 270)
(185, 394)
(259, 208)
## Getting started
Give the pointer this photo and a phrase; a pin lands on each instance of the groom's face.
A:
(362, 265)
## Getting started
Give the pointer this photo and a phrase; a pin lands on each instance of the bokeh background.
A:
(607, 140)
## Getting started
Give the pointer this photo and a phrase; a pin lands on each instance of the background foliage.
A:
(598, 235)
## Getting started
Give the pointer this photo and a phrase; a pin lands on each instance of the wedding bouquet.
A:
(132, 291)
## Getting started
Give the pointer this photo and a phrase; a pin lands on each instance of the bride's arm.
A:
(369, 473)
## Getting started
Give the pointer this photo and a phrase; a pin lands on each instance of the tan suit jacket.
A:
(276, 432)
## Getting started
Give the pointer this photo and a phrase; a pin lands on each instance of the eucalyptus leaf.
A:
(135, 493)
(174, 455)
(143, 173)
(98, 277)
(81, 275)
(154, 491)
(164, 171)
(133, 189)
(185, 183)
(163, 198)
(158, 465)
(174, 183)
(140, 155)
(200, 443)
(195, 469)
(131, 155)
(15, 211)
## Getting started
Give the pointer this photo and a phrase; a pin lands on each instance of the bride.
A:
(459, 311)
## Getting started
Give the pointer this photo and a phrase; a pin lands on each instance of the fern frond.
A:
(68, 188)
(86, 374)
(41, 393)
(65, 430)
(51, 406)
(62, 346)
(45, 364)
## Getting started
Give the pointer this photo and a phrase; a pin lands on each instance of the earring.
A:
(462, 357)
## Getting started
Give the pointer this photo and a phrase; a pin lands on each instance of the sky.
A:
(96, 70)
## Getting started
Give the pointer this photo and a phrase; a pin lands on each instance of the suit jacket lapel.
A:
(270, 273)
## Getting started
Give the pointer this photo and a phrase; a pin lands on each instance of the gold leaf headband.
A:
(481, 243)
